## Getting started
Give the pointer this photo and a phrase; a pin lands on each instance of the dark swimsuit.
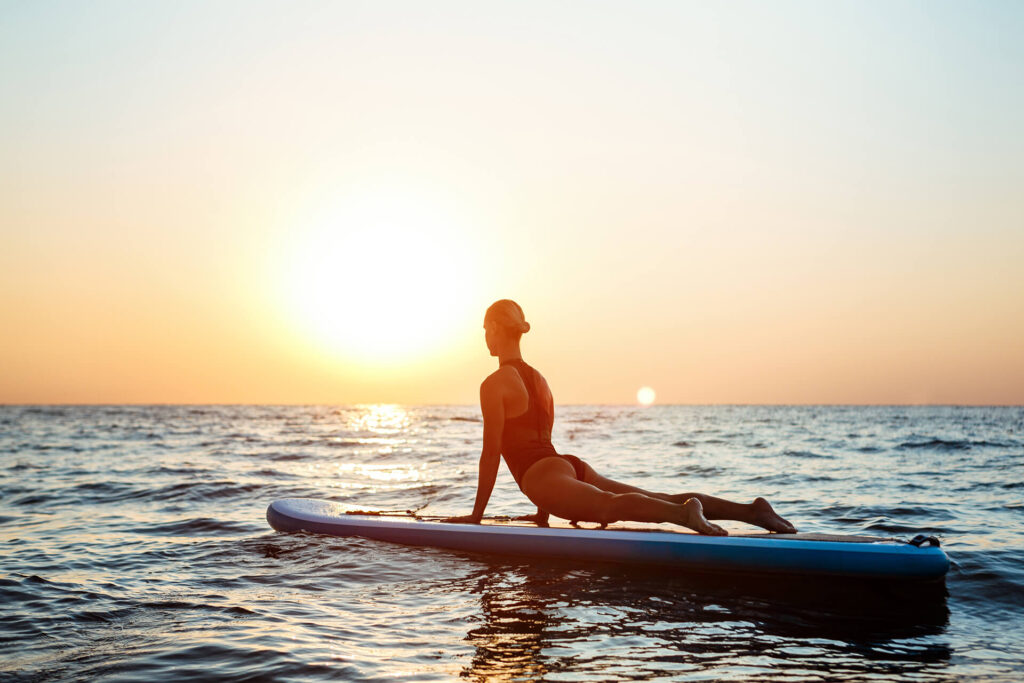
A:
(526, 439)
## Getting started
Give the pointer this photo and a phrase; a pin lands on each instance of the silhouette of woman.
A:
(518, 411)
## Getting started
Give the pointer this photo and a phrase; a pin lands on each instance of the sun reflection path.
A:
(385, 427)
(381, 418)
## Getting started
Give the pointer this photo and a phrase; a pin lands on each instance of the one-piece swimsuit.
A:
(526, 438)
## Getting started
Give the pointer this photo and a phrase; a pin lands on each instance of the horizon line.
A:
(629, 405)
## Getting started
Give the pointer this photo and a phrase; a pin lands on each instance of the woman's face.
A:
(491, 335)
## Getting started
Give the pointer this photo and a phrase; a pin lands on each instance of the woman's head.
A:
(504, 319)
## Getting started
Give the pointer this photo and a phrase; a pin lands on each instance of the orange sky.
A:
(736, 203)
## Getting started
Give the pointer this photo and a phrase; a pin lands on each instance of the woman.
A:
(519, 411)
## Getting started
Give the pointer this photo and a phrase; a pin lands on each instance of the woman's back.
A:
(528, 435)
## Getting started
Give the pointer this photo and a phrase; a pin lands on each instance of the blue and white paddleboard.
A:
(821, 554)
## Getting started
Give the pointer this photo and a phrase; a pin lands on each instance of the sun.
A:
(645, 396)
(379, 279)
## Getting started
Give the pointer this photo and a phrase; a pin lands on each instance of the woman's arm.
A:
(493, 408)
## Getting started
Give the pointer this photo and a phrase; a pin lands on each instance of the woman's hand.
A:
(539, 518)
(463, 519)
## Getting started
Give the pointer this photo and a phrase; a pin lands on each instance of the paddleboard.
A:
(790, 554)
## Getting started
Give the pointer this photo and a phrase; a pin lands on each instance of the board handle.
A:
(921, 539)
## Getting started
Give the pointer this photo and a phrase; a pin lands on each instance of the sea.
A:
(134, 547)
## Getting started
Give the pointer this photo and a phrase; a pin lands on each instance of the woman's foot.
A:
(765, 516)
(693, 518)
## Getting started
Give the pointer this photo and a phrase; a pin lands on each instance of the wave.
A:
(808, 455)
(275, 474)
(201, 491)
(318, 443)
(284, 457)
(181, 604)
(993, 578)
(195, 526)
(24, 465)
(890, 526)
(43, 447)
(173, 471)
(47, 411)
(702, 471)
(107, 492)
(953, 444)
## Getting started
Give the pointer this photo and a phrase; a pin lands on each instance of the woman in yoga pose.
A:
(518, 411)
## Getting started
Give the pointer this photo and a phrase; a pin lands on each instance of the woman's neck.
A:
(506, 355)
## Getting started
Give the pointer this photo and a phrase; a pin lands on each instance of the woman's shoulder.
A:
(499, 376)
(493, 380)
(505, 377)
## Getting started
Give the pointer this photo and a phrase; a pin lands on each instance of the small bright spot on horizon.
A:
(645, 396)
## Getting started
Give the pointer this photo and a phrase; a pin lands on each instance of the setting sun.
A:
(379, 280)
(645, 396)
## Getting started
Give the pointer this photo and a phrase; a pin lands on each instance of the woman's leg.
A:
(552, 485)
(759, 513)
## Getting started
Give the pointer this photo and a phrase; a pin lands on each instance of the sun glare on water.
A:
(379, 280)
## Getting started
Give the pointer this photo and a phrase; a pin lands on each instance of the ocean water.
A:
(133, 546)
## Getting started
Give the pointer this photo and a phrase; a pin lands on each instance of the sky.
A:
(315, 202)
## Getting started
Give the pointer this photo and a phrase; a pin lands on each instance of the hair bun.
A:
(507, 314)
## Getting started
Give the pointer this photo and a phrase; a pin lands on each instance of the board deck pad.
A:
(335, 508)
(758, 552)
(802, 536)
